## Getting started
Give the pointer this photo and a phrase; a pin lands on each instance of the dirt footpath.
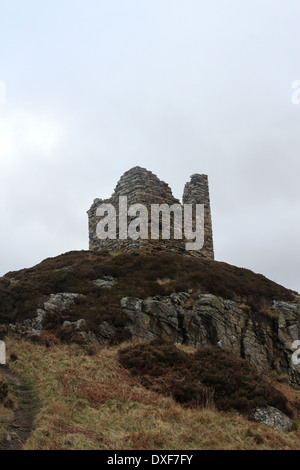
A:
(18, 430)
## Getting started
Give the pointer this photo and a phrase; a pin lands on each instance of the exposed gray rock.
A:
(107, 281)
(105, 332)
(201, 320)
(273, 417)
(61, 301)
(198, 320)
(83, 330)
(78, 325)
(56, 303)
(32, 326)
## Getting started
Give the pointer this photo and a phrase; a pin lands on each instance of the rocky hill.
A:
(102, 297)
(206, 334)
(170, 321)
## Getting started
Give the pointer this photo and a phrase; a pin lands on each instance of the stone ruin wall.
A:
(196, 191)
(142, 186)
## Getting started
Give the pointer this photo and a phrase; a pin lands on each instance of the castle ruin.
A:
(141, 186)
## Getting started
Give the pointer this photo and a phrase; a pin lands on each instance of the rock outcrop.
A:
(274, 418)
(265, 339)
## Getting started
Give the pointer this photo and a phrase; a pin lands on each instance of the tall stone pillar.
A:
(196, 191)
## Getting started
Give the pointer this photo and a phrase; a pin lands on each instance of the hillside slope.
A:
(111, 297)
(113, 305)
(90, 402)
(138, 275)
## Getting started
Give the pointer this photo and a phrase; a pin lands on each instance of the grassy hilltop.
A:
(130, 394)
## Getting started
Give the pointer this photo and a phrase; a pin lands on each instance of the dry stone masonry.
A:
(141, 186)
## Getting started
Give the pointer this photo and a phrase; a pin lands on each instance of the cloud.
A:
(25, 136)
(176, 87)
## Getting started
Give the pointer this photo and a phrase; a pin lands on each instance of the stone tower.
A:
(141, 186)
(196, 191)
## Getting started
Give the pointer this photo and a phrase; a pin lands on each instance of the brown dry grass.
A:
(7, 402)
(90, 402)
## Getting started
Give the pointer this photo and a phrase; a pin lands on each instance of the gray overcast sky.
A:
(95, 87)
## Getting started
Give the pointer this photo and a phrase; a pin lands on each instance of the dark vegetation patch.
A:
(3, 389)
(4, 393)
(210, 375)
(136, 274)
